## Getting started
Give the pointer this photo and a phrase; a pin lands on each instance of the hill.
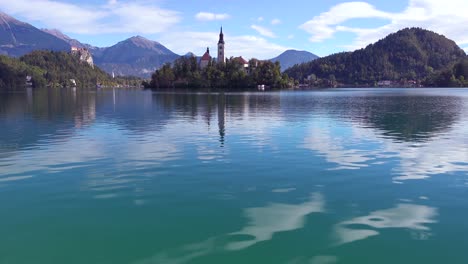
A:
(290, 58)
(18, 38)
(136, 56)
(409, 54)
(49, 68)
(454, 76)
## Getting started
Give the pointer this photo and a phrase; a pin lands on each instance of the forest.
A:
(50, 69)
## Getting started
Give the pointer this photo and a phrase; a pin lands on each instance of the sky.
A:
(252, 29)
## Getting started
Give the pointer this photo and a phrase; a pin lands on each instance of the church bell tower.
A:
(221, 47)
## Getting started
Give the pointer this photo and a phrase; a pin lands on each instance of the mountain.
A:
(136, 56)
(18, 38)
(72, 42)
(95, 51)
(409, 54)
(290, 58)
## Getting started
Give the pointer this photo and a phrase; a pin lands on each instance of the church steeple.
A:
(221, 47)
(221, 37)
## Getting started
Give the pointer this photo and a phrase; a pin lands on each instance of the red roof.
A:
(241, 60)
(206, 56)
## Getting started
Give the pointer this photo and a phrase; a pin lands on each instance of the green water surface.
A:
(321, 177)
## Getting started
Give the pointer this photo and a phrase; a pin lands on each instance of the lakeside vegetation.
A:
(50, 69)
(411, 56)
(453, 76)
(186, 72)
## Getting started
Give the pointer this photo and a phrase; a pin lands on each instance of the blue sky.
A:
(261, 29)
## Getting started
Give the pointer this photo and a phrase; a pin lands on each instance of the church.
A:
(206, 58)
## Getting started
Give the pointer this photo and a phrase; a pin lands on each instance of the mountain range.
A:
(136, 56)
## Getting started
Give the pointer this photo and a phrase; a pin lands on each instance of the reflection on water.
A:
(274, 218)
(263, 223)
(227, 177)
(324, 260)
(405, 216)
(354, 147)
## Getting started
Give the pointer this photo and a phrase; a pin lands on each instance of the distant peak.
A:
(5, 18)
(298, 51)
(56, 33)
(138, 37)
(143, 42)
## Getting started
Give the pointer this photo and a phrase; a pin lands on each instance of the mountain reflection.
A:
(28, 117)
(407, 118)
(352, 129)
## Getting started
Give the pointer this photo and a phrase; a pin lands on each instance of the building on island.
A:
(242, 61)
(206, 59)
(221, 47)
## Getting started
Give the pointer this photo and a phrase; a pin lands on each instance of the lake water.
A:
(321, 177)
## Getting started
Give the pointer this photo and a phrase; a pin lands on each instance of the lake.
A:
(319, 177)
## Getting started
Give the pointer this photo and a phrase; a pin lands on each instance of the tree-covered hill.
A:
(409, 54)
(13, 73)
(48, 68)
(454, 76)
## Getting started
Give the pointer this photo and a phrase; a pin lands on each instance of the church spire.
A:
(221, 36)
(221, 47)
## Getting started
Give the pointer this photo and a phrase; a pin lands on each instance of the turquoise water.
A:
(334, 176)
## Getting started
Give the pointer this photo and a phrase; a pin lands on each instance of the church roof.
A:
(206, 56)
(241, 60)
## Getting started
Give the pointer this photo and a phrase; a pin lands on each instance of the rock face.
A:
(18, 38)
(83, 54)
(290, 58)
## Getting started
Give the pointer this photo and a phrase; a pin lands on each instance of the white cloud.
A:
(205, 16)
(263, 31)
(445, 17)
(323, 26)
(243, 45)
(276, 21)
(260, 19)
(113, 17)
